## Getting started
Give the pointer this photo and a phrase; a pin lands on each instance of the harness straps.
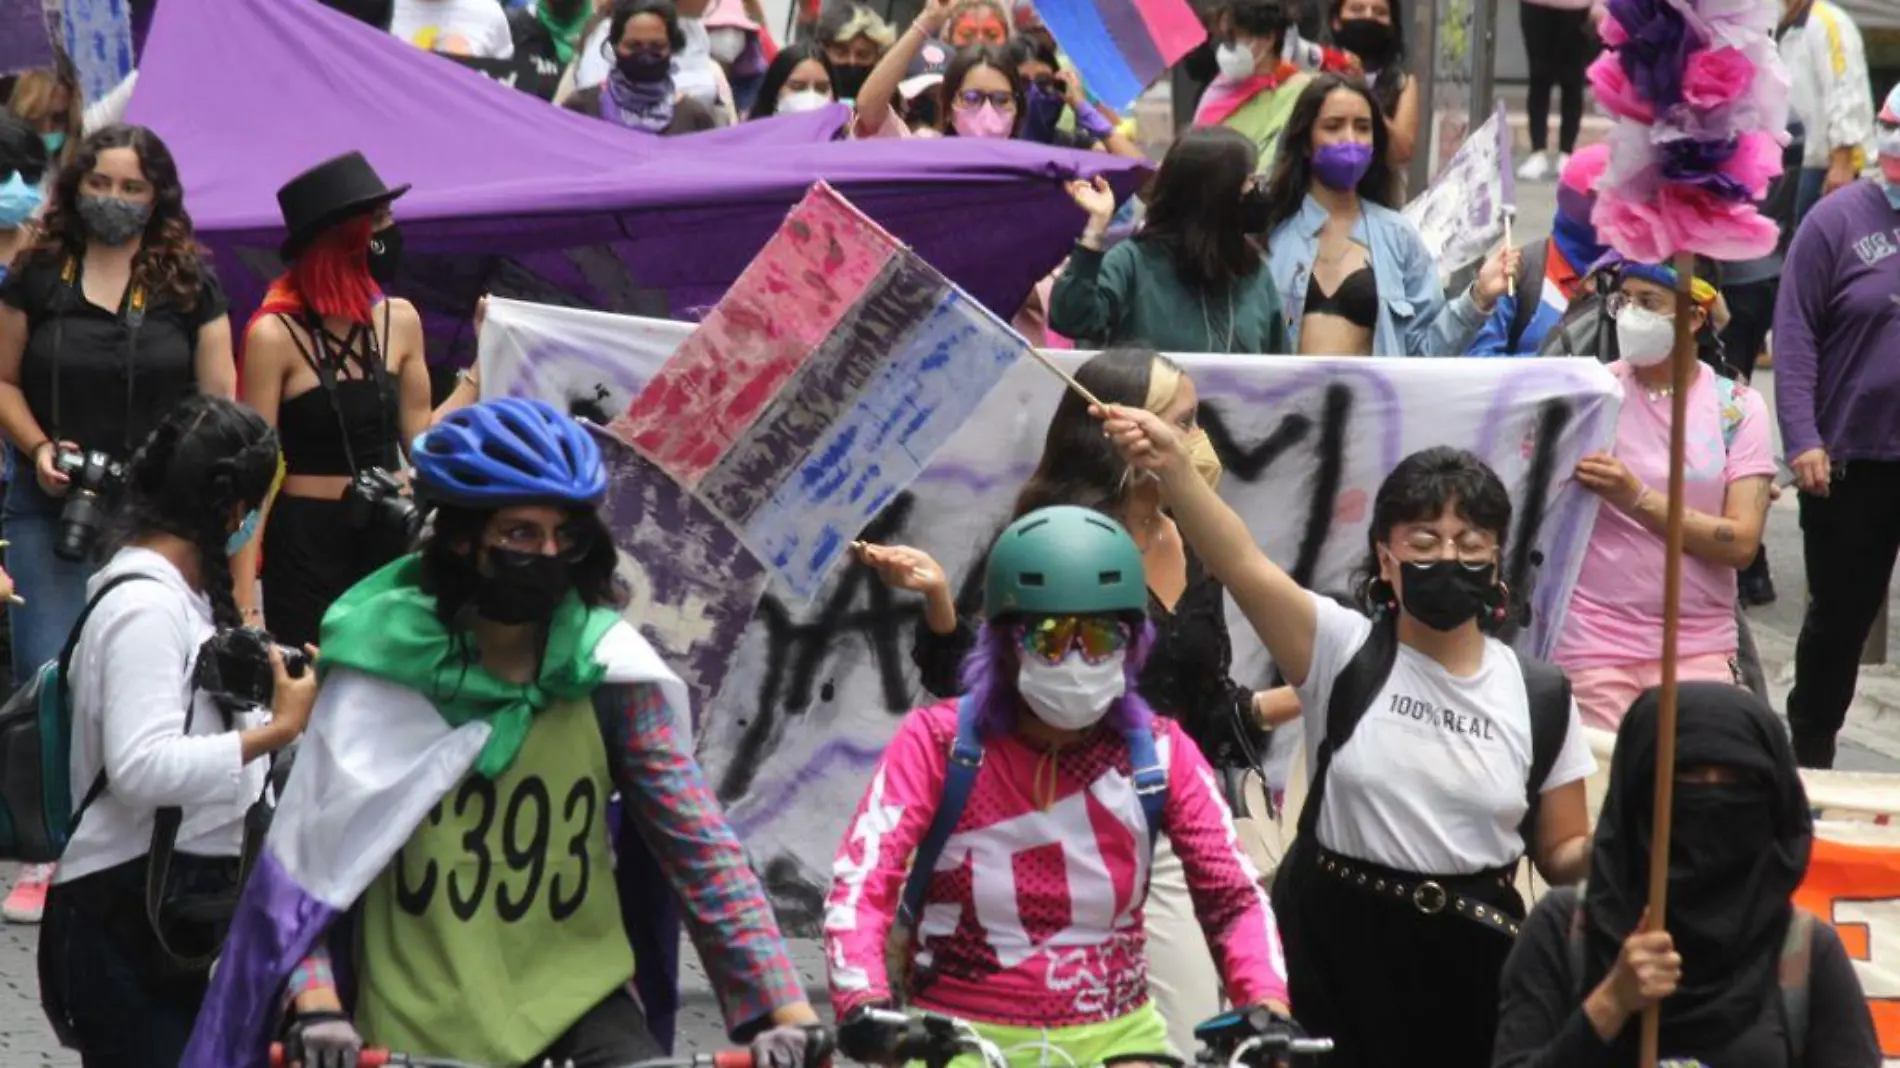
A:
(1797, 962)
(959, 781)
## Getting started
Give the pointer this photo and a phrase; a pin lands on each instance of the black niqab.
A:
(1737, 853)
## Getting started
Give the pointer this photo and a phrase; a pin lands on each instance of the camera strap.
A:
(131, 313)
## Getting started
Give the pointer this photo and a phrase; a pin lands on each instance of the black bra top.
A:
(1356, 300)
(359, 401)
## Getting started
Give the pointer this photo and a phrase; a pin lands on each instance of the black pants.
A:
(312, 557)
(1389, 984)
(1849, 540)
(100, 979)
(1751, 308)
(1560, 45)
(612, 1034)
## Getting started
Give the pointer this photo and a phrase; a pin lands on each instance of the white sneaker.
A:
(1563, 161)
(1536, 168)
(26, 902)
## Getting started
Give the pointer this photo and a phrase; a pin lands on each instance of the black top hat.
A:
(328, 193)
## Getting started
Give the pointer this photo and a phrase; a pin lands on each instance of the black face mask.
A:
(847, 80)
(385, 255)
(1254, 211)
(1718, 831)
(1446, 594)
(1372, 41)
(645, 65)
(524, 587)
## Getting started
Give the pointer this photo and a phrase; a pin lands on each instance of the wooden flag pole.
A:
(1682, 367)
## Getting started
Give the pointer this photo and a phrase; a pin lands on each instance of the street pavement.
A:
(1870, 742)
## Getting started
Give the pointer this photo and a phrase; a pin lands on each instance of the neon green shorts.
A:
(1140, 1035)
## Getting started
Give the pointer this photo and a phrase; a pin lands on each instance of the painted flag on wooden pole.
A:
(819, 386)
(1120, 47)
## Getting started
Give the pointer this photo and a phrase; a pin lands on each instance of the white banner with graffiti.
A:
(804, 696)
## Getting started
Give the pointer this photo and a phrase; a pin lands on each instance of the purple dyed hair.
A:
(989, 679)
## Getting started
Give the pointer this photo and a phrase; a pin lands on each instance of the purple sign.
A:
(24, 44)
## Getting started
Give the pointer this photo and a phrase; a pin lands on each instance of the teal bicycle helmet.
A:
(506, 452)
(1064, 561)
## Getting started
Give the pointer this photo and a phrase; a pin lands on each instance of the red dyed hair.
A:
(331, 274)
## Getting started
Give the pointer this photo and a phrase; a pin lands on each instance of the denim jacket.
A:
(1414, 317)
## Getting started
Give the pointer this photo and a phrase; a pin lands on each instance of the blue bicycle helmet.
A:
(506, 452)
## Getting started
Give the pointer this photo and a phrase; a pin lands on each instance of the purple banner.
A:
(24, 44)
(694, 585)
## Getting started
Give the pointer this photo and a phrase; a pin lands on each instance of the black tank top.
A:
(350, 421)
(1356, 300)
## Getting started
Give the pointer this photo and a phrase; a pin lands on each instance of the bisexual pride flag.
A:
(1121, 46)
(818, 387)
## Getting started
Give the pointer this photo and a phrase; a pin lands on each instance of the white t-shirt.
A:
(1432, 779)
(475, 28)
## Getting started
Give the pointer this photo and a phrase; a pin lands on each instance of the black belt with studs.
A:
(1431, 897)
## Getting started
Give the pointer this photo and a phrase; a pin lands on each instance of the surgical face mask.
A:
(54, 142)
(1200, 450)
(1644, 338)
(802, 101)
(1075, 694)
(1445, 594)
(727, 42)
(1888, 146)
(847, 79)
(985, 121)
(111, 220)
(235, 542)
(18, 201)
(1236, 61)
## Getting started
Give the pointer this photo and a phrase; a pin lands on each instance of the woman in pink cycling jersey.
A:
(1030, 920)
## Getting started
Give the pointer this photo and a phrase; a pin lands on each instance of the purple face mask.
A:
(1339, 166)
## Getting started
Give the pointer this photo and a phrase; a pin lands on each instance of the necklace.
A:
(1656, 393)
(1207, 321)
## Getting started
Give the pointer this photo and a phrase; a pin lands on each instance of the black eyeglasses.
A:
(971, 99)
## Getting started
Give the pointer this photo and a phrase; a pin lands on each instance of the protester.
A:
(641, 93)
(1612, 639)
(474, 28)
(1256, 89)
(1396, 899)
(1555, 271)
(1837, 389)
(22, 176)
(855, 38)
(801, 78)
(122, 985)
(1191, 279)
(1353, 274)
(494, 663)
(1560, 41)
(1057, 111)
(976, 22)
(981, 95)
(1830, 93)
(737, 43)
(1186, 675)
(1374, 31)
(1051, 702)
(1737, 960)
(116, 274)
(48, 99)
(547, 36)
(338, 369)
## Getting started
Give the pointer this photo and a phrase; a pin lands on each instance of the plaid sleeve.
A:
(725, 907)
(312, 973)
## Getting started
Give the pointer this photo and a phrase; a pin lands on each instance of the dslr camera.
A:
(375, 506)
(234, 668)
(94, 478)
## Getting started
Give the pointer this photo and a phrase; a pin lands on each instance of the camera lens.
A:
(79, 524)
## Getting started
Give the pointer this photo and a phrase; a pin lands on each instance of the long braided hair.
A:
(205, 458)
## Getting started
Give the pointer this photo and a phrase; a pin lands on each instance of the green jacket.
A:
(1132, 295)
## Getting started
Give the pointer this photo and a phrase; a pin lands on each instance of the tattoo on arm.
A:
(1724, 533)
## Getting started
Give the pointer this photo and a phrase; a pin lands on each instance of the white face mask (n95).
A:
(1073, 695)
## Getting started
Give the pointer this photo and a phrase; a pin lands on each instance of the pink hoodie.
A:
(1034, 916)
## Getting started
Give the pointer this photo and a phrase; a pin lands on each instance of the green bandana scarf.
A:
(387, 627)
(566, 32)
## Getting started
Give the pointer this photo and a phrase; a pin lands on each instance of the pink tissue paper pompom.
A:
(1611, 32)
(1714, 77)
(1614, 91)
(1683, 219)
(1756, 162)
